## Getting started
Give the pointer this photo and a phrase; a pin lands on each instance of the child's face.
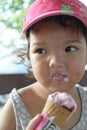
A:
(58, 56)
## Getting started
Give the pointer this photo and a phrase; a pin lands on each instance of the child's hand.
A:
(34, 122)
(33, 125)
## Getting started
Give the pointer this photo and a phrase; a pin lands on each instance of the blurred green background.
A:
(11, 22)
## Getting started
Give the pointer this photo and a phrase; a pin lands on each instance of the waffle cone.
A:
(52, 109)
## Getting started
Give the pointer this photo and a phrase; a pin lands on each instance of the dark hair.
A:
(65, 21)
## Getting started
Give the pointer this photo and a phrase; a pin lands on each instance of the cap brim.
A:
(51, 13)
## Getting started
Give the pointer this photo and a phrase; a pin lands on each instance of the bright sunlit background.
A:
(11, 39)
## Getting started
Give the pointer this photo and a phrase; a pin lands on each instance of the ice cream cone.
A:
(60, 113)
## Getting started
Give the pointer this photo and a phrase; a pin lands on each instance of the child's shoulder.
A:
(83, 93)
(26, 90)
(82, 89)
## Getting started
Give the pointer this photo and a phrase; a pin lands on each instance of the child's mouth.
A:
(58, 77)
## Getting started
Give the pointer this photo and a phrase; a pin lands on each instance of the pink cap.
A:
(41, 9)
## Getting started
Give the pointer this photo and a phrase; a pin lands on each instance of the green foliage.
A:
(11, 20)
(12, 12)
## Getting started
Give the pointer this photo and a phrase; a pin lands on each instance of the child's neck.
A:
(73, 91)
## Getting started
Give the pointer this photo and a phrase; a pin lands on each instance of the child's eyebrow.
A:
(38, 43)
(74, 41)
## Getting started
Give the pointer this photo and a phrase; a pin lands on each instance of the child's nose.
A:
(56, 61)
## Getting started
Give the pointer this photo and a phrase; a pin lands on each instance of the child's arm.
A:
(7, 117)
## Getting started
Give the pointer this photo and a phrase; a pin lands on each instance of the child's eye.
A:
(41, 51)
(70, 49)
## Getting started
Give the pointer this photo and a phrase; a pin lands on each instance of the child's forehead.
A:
(52, 29)
(68, 23)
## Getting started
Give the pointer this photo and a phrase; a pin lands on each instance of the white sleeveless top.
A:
(23, 117)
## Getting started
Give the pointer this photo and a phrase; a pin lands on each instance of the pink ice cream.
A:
(64, 100)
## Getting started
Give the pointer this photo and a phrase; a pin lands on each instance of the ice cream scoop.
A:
(64, 100)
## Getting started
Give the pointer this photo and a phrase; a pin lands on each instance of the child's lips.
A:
(59, 77)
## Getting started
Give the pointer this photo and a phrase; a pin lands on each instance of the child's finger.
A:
(34, 122)
(42, 122)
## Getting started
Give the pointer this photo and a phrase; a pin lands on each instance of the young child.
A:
(56, 31)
